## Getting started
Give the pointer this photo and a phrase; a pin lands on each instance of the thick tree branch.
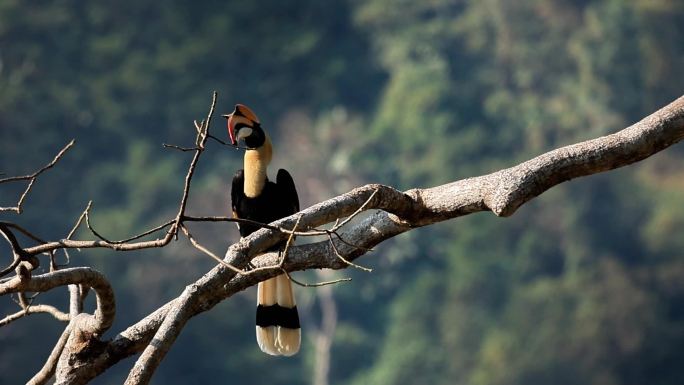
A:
(395, 212)
(165, 336)
(95, 324)
(48, 369)
(501, 192)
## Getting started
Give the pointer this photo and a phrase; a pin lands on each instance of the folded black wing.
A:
(288, 192)
(237, 192)
(236, 196)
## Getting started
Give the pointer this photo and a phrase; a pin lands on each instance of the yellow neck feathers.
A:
(256, 164)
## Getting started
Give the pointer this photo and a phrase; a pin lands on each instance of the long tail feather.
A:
(289, 332)
(266, 333)
(277, 322)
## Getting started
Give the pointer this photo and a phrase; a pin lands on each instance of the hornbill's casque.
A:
(256, 198)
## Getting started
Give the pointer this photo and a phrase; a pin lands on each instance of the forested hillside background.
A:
(584, 285)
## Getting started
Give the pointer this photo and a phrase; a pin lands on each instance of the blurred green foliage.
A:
(582, 285)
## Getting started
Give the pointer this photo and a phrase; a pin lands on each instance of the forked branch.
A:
(31, 178)
(392, 212)
(501, 192)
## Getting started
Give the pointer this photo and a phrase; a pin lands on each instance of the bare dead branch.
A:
(48, 369)
(125, 245)
(41, 170)
(202, 138)
(179, 148)
(235, 146)
(75, 303)
(198, 126)
(339, 238)
(307, 233)
(290, 238)
(165, 336)
(173, 323)
(208, 252)
(10, 267)
(189, 218)
(24, 231)
(355, 213)
(31, 178)
(18, 253)
(339, 255)
(317, 284)
(501, 192)
(36, 309)
(123, 241)
(79, 220)
(104, 313)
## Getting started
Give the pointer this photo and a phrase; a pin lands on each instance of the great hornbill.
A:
(256, 198)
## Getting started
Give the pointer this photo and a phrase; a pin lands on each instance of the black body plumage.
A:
(277, 200)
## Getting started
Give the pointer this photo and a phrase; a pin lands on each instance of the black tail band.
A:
(276, 315)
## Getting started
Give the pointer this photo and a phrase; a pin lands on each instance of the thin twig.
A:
(179, 148)
(24, 231)
(16, 259)
(124, 245)
(10, 267)
(188, 218)
(53, 261)
(18, 252)
(343, 259)
(35, 309)
(367, 249)
(173, 231)
(201, 131)
(235, 146)
(198, 126)
(289, 242)
(44, 168)
(92, 230)
(22, 300)
(133, 238)
(308, 233)
(355, 213)
(80, 220)
(317, 284)
(67, 257)
(146, 233)
(32, 178)
(208, 252)
(69, 235)
(282, 257)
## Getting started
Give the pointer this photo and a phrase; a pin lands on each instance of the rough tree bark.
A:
(80, 355)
